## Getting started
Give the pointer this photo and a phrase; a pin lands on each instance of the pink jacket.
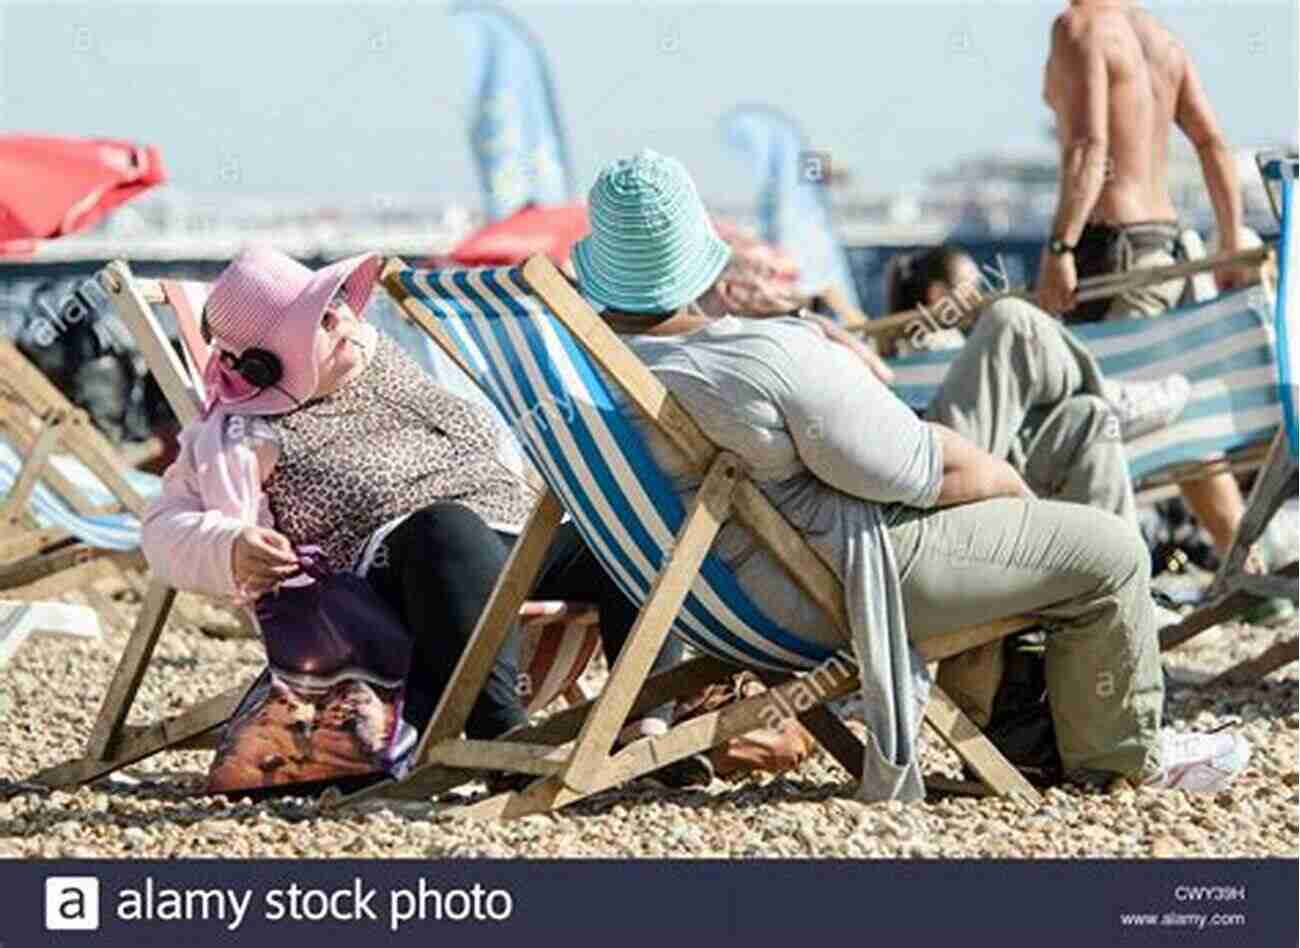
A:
(211, 493)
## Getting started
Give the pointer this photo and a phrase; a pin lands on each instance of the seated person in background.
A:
(336, 439)
(1025, 389)
(925, 278)
(927, 531)
(947, 272)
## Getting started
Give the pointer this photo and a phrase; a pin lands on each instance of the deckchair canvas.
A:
(1225, 349)
(542, 355)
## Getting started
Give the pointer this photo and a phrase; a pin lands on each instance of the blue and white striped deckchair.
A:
(1233, 589)
(1224, 347)
(548, 362)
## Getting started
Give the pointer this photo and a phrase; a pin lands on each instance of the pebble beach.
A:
(51, 689)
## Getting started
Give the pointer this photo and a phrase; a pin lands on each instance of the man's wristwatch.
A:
(1058, 247)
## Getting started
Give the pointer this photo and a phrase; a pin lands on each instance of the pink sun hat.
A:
(265, 299)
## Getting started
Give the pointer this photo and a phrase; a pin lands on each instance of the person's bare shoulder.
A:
(1067, 31)
(1079, 36)
(1079, 33)
(1161, 48)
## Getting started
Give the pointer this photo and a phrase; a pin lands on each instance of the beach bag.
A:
(1002, 686)
(329, 706)
(765, 749)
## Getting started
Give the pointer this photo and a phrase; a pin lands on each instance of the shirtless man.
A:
(1117, 80)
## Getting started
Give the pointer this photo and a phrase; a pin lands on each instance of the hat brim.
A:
(293, 340)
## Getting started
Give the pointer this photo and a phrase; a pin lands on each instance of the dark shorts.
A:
(1104, 249)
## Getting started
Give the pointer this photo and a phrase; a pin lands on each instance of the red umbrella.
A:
(51, 186)
(534, 229)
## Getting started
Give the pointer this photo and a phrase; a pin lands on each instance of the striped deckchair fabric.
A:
(108, 531)
(557, 642)
(1225, 348)
(564, 412)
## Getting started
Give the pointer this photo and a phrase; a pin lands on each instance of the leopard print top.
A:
(388, 443)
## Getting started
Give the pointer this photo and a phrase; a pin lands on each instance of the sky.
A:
(310, 99)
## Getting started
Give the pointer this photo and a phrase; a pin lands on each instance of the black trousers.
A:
(438, 569)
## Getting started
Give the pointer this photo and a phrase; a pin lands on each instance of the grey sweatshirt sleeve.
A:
(849, 428)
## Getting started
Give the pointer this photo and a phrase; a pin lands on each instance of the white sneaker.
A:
(1143, 407)
(1200, 763)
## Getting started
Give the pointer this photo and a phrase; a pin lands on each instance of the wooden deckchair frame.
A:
(1233, 590)
(39, 421)
(112, 743)
(888, 328)
(568, 774)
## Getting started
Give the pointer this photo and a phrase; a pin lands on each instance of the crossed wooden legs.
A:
(1233, 590)
(570, 751)
(112, 744)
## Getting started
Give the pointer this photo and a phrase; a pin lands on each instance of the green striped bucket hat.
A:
(652, 247)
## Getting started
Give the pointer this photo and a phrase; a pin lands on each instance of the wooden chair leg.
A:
(1234, 603)
(130, 670)
(53, 572)
(798, 695)
(16, 500)
(828, 730)
(560, 728)
(21, 541)
(709, 510)
(1277, 655)
(136, 743)
(835, 738)
(976, 750)
(1274, 483)
(965, 788)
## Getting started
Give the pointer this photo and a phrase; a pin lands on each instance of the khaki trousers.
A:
(1085, 573)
